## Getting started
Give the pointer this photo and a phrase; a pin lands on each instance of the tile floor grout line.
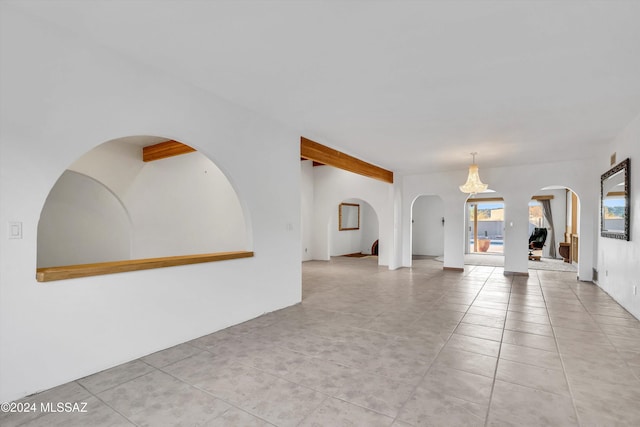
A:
(326, 395)
(121, 383)
(600, 327)
(313, 410)
(495, 371)
(573, 399)
(214, 396)
(117, 411)
(438, 354)
(564, 371)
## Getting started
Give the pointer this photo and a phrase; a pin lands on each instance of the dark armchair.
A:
(536, 241)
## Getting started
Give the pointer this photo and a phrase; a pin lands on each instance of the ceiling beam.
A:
(164, 150)
(312, 150)
(500, 199)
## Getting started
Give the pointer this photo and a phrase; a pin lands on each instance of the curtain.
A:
(546, 210)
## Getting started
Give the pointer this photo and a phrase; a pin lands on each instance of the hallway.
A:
(373, 347)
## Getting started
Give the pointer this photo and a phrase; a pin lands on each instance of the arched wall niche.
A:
(427, 225)
(175, 206)
(354, 241)
(80, 212)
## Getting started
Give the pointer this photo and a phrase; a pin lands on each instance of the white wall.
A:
(82, 222)
(516, 185)
(427, 227)
(343, 242)
(62, 96)
(184, 205)
(618, 266)
(306, 208)
(370, 227)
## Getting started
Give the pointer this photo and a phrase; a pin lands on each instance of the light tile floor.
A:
(373, 347)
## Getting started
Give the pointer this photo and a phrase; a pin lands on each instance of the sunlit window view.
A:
(486, 227)
(613, 212)
(536, 216)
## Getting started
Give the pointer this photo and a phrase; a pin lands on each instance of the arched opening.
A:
(111, 205)
(554, 224)
(484, 229)
(427, 227)
(352, 241)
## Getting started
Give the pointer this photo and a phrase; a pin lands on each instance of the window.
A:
(536, 216)
(486, 226)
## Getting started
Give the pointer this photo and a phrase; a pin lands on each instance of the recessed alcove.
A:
(357, 237)
(110, 211)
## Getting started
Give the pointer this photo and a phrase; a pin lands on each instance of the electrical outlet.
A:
(15, 230)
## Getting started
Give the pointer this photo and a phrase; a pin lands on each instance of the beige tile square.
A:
(115, 376)
(171, 355)
(473, 344)
(531, 356)
(380, 394)
(549, 380)
(528, 317)
(158, 398)
(517, 405)
(335, 412)
(433, 408)
(460, 384)
(494, 334)
(467, 361)
(477, 319)
(236, 418)
(529, 340)
(531, 328)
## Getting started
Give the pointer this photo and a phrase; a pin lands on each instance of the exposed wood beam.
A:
(500, 199)
(488, 199)
(165, 149)
(322, 154)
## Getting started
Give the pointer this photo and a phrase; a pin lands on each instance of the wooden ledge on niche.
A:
(48, 274)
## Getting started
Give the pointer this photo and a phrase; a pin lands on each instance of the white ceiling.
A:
(410, 86)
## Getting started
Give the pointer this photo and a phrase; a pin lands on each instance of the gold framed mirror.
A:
(348, 216)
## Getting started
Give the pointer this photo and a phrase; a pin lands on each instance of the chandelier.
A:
(473, 184)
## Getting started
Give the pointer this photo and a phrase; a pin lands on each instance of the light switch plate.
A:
(15, 230)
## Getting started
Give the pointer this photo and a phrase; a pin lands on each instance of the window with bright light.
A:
(536, 215)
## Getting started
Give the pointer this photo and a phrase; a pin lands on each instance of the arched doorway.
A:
(484, 229)
(554, 224)
(427, 227)
(350, 240)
